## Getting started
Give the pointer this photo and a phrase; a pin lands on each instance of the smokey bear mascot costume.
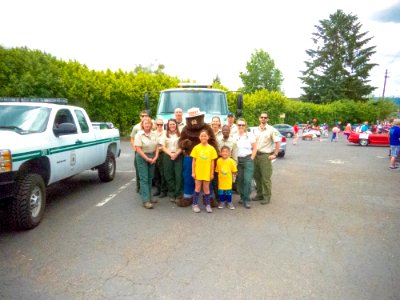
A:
(188, 139)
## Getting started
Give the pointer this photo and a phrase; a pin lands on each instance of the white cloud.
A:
(193, 39)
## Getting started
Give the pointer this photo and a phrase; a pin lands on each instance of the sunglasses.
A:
(144, 116)
(241, 125)
(160, 124)
(263, 117)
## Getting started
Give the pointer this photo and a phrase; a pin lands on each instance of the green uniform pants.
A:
(146, 173)
(173, 175)
(245, 176)
(262, 176)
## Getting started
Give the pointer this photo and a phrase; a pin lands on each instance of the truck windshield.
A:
(24, 119)
(211, 102)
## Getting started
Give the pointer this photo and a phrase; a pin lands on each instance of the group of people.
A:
(215, 169)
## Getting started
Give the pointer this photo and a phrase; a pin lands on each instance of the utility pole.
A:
(384, 85)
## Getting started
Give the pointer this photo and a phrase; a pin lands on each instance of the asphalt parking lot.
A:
(330, 232)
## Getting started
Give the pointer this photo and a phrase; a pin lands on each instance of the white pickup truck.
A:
(43, 141)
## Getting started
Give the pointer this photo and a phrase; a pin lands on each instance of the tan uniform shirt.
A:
(135, 130)
(234, 130)
(171, 142)
(218, 134)
(147, 142)
(181, 125)
(266, 139)
(229, 142)
(159, 137)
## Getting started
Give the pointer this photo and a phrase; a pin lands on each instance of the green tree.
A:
(217, 79)
(261, 74)
(339, 65)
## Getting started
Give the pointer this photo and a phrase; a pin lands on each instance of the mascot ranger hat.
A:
(194, 112)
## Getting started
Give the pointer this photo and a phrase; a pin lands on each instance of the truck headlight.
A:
(5, 161)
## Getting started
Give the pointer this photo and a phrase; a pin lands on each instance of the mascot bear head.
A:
(190, 133)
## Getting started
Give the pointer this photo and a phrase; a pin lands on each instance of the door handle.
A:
(78, 142)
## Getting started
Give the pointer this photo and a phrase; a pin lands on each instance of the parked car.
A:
(285, 129)
(365, 139)
(282, 148)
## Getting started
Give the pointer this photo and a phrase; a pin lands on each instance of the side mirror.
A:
(64, 129)
(239, 110)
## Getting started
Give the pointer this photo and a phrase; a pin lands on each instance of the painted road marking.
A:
(112, 196)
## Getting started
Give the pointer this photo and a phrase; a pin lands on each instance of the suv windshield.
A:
(24, 119)
(211, 102)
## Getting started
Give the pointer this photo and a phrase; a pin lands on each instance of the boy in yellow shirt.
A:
(226, 169)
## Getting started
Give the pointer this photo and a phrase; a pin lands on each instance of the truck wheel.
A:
(363, 142)
(27, 206)
(107, 169)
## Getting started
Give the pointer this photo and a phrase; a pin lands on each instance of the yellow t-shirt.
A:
(225, 168)
(203, 155)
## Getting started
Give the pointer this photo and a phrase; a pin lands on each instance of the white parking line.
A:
(336, 161)
(112, 196)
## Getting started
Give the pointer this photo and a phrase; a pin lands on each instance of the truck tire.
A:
(28, 204)
(107, 169)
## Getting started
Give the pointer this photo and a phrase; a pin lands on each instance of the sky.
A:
(198, 40)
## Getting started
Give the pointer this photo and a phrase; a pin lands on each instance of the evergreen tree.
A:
(261, 74)
(339, 67)
(217, 79)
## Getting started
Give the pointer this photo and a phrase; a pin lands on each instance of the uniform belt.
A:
(262, 153)
(245, 157)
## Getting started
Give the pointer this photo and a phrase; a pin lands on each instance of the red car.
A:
(365, 139)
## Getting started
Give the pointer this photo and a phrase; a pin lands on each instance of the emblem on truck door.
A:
(72, 161)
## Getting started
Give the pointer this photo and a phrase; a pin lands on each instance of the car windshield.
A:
(211, 102)
(24, 119)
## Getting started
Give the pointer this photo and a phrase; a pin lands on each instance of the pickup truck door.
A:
(92, 151)
(65, 154)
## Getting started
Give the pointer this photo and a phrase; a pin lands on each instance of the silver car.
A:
(282, 148)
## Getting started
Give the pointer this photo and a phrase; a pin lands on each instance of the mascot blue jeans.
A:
(188, 181)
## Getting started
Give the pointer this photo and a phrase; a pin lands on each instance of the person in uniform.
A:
(268, 142)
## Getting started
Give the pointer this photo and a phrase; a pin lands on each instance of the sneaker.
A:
(172, 199)
(393, 167)
(147, 205)
(240, 201)
(208, 209)
(221, 204)
(247, 204)
(230, 206)
(195, 208)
